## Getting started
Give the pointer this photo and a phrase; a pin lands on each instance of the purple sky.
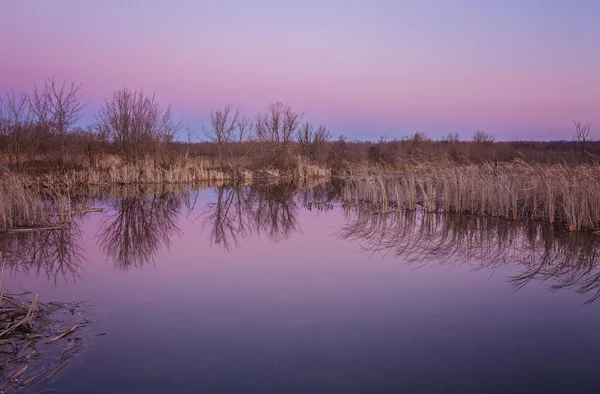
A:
(517, 69)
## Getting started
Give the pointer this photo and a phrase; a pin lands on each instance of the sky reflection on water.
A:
(247, 290)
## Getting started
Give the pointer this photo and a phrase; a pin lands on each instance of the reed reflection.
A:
(559, 259)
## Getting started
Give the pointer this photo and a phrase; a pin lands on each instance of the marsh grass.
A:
(564, 195)
(28, 206)
(112, 169)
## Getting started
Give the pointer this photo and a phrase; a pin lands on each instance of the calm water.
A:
(250, 291)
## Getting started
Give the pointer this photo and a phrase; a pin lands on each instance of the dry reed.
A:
(110, 169)
(31, 206)
(34, 344)
(558, 194)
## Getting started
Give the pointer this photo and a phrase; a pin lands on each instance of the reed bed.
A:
(564, 195)
(113, 170)
(27, 206)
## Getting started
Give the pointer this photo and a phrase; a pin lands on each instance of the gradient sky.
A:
(517, 69)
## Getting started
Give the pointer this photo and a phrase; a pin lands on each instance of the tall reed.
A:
(28, 206)
(559, 194)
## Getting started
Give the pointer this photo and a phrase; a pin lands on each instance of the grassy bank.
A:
(565, 195)
(109, 169)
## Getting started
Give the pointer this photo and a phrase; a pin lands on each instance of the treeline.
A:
(39, 131)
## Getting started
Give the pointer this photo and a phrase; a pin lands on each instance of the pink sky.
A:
(363, 68)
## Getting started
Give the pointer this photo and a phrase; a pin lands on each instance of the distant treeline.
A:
(39, 131)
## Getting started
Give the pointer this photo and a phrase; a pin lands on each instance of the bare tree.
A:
(136, 123)
(582, 134)
(321, 140)
(40, 107)
(223, 123)
(243, 135)
(452, 138)
(305, 139)
(59, 107)
(275, 131)
(16, 127)
(278, 124)
(481, 137)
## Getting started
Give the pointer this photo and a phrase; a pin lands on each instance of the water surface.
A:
(287, 290)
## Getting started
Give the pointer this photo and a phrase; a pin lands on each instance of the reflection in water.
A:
(55, 254)
(143, 221)
(565, 260)
(140, 226)
(259, 209)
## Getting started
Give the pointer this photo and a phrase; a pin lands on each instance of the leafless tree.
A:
(582, 134)
(305, 138)
(136, 123)
(16, 126)
(313, 143)
(481, 137)
(452, 137)
(40, 107)
(223, 123)
(57, 108)
(278, 124)
(243, 136)
(321, 139)
(275, 131)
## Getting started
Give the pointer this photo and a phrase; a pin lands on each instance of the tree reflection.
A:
(140, 226)
(56, 254)
(560, 259)
(258, 209)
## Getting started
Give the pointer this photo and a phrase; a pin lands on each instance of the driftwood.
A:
(31, 229)
(52, 228)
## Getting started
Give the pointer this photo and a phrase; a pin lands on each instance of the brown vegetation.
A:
(37, 340)
(134, 141)
(557, 194)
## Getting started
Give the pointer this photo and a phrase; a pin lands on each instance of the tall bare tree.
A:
(243, 137)
(305, 139)
(223, 123)
(57, 106)
(321, 139)
(16, 126)
(582, 134)
(136, 123)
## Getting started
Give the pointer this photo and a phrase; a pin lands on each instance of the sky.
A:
(516, 69)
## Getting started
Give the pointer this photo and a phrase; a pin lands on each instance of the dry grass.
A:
(27, 206)
(111, 169)
(558, 194)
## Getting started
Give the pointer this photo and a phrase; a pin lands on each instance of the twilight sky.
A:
(519, 69)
